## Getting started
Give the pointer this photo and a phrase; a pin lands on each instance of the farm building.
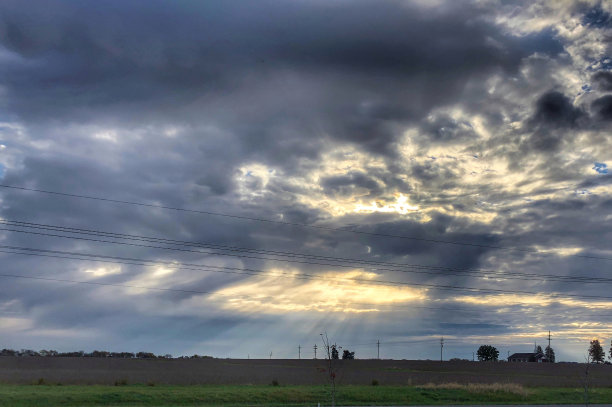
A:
(527, 357)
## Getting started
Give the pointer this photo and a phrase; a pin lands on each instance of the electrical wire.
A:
(294, 224)
(395, 267)
(112, 259)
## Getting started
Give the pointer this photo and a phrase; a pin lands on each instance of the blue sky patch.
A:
(597, 18)
(601, 64)
(601, 168)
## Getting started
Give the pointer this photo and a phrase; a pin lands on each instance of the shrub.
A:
(374, 382)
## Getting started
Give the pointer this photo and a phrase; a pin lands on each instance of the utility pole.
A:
(441, 346)
(473, 357)
(299, 351)
(549, 339)
(315, 349)
(378, 349)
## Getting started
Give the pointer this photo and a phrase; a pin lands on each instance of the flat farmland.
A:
(109, 371)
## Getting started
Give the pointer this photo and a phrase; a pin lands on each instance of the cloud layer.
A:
(467, 144)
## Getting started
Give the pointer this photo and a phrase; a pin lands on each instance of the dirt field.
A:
(26, 370)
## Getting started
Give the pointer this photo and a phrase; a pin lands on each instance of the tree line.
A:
(490, 353)
(94, 354)
(346, 354)
(596, 353)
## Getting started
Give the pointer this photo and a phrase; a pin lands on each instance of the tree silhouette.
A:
(347, 354)
(487, 353)
(596, 352)
(550, 354)
(334, 352)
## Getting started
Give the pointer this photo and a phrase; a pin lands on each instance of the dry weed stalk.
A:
(512, 388)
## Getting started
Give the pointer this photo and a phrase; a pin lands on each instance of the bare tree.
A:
(585, 380)
(330, 366)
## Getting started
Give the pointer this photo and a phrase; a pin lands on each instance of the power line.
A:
(190, 291)
(112, 259)
(295, 224)
(130, 237)
(247, 271)
(180, 242)
(412, 268)
(184, 266)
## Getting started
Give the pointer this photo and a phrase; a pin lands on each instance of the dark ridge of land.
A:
(108, 371)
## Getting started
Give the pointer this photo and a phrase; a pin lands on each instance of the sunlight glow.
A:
(531, 299)
(270, 294)
(103, 270)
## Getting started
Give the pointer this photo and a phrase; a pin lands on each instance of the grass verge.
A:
(162, 395)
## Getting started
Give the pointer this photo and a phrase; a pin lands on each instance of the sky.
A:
(234, 178)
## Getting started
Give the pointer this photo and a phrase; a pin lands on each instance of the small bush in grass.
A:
(40, 381)
(122, 382)
(274, 382)
(151, 384)
(375, 382)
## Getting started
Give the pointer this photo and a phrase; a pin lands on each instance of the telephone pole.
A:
(299, 351)
(548, 339)
(378, 349)
(441, 346)
(315, 349)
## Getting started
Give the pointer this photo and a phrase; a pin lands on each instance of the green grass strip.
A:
(164, 395)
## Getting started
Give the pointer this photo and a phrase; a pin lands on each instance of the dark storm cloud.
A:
(603, 108)
(426, 242)
(347, 184)
(97, 61)
(432, 173)
(553, 119)
(602, 80)
(445, 129)
(571, 226)
(467, 328)
(555, 110)
(595, 181)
